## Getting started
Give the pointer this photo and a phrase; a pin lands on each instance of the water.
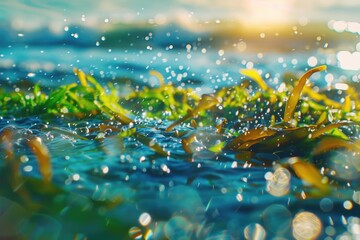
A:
(204, 196)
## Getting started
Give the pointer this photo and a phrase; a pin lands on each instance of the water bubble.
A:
(354, 227)
(348, 60)
(277, 218)
(326, 204)
(165, 168)
(178, 227)
(254, 231)
(278, 184)
(24, 158)
(28, 168)
(135, 233)
(306, 225)
(339, 26)
(356, 197)
(345, 165)
(145, 219)
(249, 65)
(76, 177)
(312, 61)
(348, 205)
(239, 197)
(104, 169)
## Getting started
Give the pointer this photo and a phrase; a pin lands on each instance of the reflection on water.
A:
(205, 197)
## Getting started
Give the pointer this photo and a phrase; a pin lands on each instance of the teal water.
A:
(203, 196)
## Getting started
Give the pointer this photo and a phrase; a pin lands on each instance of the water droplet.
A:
(312, 61)
(28, 168)
(145, 219)
(278, 184)
(277, 218)
(239, 197)
(178, 227)
(76, 177)
(348, 205)
(135, 233)
(356, 197)
(254, 231)
(306, 225)
(326, 204)
(24, 158)
(165, 168)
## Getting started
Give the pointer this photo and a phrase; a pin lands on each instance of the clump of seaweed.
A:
(294, 129)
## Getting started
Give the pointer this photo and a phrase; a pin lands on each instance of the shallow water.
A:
(52, 66)
(203, 196)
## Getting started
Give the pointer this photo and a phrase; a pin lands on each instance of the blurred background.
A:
(183, 39)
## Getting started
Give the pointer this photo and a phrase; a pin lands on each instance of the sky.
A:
(32, 13)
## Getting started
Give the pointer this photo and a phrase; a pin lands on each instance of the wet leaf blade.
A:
(149, 142)
(217, 148)
(81, 76)
(309, 173)
(43, 157)
(321, 131)
(296, 93)
(329, 143)
(251, 135)
(253, 74)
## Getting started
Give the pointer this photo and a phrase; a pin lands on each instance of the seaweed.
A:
(298, 126)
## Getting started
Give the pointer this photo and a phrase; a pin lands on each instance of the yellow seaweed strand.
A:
(251, 135)
(253, 74)
(150, 143)
(43, 157)
(322, 119)
(329, 127)
(309, 173)
(329, 143)
(347, 104)
(82, 76)
(6, 141)
(296, 93)
(206, 102)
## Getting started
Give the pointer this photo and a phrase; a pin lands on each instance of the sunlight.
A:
(259, 12)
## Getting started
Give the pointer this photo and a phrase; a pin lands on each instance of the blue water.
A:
(200, 197)
(52, 66)
(216, 197)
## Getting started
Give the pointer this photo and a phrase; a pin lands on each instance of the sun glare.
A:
(259, 12)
